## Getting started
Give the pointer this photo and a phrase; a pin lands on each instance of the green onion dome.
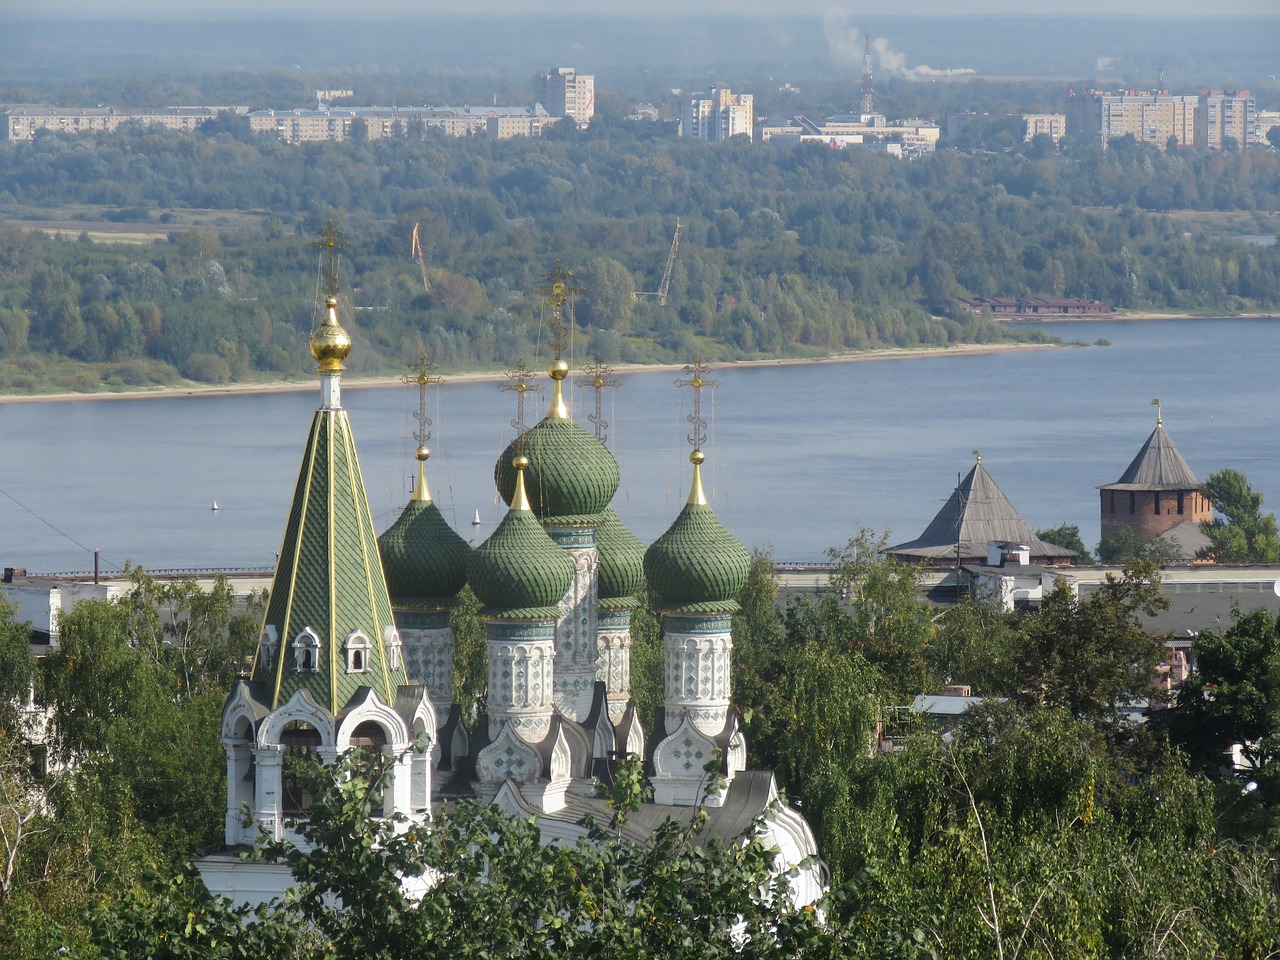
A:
(425, 561)
(621, 561)
(519, 572)
(697, 565)
(572, 476)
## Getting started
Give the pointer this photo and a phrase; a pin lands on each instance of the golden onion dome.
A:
(330, 344)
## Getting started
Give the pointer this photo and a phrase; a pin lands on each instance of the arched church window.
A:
(357, 648)
(300, 741)
(267, 647)
(391, 640)
(306, 651)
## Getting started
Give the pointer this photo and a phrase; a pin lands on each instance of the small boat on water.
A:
(476, 521)
(215, 506)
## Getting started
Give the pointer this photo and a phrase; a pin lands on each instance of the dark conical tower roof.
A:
(977, 512)
(1158, 466)
(697, 565)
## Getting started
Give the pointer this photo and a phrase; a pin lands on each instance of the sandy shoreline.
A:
(355, 383)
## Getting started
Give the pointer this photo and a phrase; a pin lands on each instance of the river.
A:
(800, 457)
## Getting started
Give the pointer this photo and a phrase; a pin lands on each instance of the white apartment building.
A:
(719, 115)
(567, 93)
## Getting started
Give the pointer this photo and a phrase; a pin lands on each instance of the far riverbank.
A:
(286, 386)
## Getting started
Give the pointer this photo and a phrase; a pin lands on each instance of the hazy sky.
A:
(354, 9)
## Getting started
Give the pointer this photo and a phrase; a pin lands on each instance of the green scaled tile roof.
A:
(519, 572)
(621, 558)
(424, 558)
(697, 565)
(329, 578)
(571, 477)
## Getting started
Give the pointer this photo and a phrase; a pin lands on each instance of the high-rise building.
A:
(718, 115)
(1205, 121)
(566, 93)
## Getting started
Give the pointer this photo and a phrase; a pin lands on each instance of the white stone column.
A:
(613, 659)
(269, 790)
(697, 667)
(575, 673)
(521, 676)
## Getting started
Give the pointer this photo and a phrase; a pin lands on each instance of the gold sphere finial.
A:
(558, 369)
(520, 461)
(330, 344)
(422, 453)
(696, 457)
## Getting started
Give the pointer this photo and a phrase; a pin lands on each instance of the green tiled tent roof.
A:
(697, 563)
(571, 476)
(621, 559)
(424, 558)
(519, 571)
(329, 577)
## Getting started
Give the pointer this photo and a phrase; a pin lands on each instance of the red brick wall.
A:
(1151, 513)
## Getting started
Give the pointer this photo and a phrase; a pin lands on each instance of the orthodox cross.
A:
(1159, 413)
(519, 385)
(597, 378)
(331, 240)
(422, 376)
(696, 377)
(559, 287)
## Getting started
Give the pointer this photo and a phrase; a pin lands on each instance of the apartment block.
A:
(1052, 125)
(719, 115)
(1203, 121)
(567, 93)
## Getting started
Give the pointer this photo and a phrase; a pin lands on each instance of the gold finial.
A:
(331, 240)
(422, 377)
(976, 455)
(330, 344)
(597, 378)
(696, 377)
(519, 385)
(696, 494)
(557, 371)
(520, 501)
(1159, 413)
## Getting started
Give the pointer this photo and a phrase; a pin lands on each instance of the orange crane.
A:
(665, 286)
(420, 260)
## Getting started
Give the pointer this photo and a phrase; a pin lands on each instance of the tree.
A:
(1242, 534)
(478, 882)
(1093, 655)
(1125, 544)
(1067, 535)
(1232, 699)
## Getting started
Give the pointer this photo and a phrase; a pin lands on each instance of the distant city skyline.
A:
(14, 10)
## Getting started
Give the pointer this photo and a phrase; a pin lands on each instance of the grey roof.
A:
(1188, 538)
(976, 513)
(1158, 466)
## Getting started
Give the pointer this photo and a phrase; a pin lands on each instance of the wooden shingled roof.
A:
(1158, 466)
(977, 512)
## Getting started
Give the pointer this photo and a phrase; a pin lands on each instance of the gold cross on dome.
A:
(696, 377)
(597, 378)
(519, 385)
(422, 376)
(331, 240)
(558, 289)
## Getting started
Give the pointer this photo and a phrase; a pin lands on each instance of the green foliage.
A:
(1125, 544)
(1092, 655)
(483, 884)
(1243, 534)
(1067, 535)
(1233, 698)
(470, 657)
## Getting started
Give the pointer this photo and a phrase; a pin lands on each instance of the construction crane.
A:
(665, 286)
(420, 260)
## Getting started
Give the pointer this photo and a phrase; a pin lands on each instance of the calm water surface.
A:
(801, 457)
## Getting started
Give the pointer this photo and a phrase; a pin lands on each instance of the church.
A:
(356, 650)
